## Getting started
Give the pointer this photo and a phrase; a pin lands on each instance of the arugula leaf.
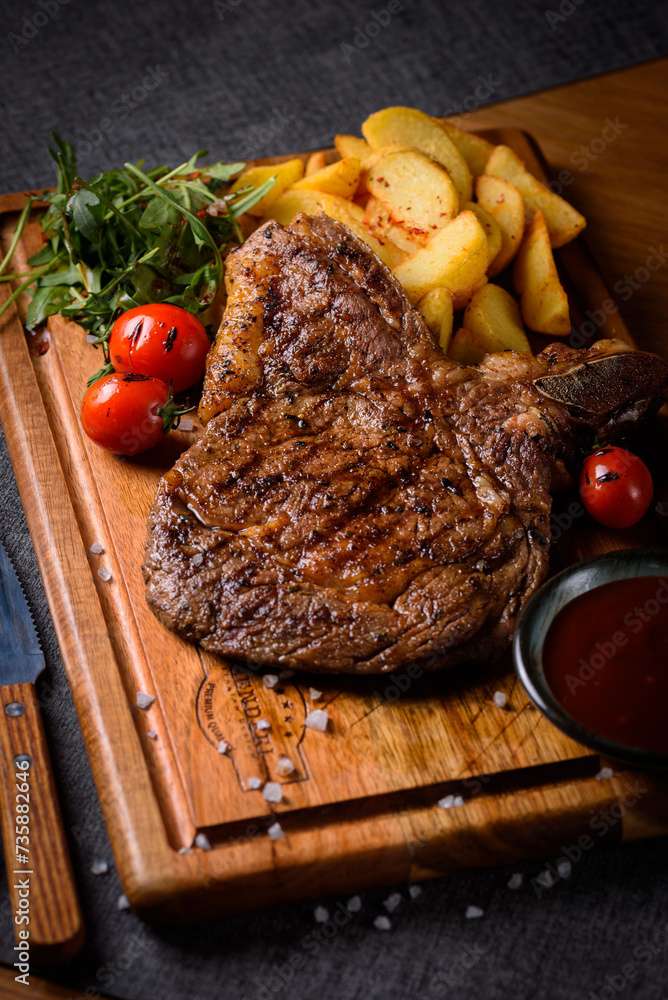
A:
(46, 302)
(81, 206)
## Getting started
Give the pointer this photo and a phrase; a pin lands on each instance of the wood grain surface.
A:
(361, 808)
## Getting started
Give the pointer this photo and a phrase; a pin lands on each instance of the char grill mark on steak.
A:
(357, 501)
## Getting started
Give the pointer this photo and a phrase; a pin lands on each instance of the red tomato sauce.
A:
(606, 661)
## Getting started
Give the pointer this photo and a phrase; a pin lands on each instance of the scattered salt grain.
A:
(604, 774)
(450, 802)
(321, 915)
(314, 694)
(284, 766)
(262, 724)
(317, 719)
(414, 891)
(515, 880)
(203, 842)
(152, 735)
(197, 559)
(546, 879)
(354, 904)
(474, 913)
(382, 924)
(122, 903)
(254, 783)
(392, 902)
(186, 425)
(185, 850)
(144, 701)
(96, 549)
(91, 338)
(272, 792)
(104, 574)
(99, 867)
(222, 746)
(270, 680)
(275, 831)
(564, 868)
(500, 699)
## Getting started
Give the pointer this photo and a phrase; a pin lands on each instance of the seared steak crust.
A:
(357, 502)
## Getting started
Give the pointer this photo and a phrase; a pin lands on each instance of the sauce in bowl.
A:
(605, 660)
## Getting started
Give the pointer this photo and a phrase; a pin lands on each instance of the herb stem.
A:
(18, 232)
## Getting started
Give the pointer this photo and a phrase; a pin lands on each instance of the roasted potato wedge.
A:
(563, 221)
(475, 150)
(378, 217)
(340, 178)
(292, 202)
(436, 308)
(410, 127)
(467, 347)
(351, 145)
(315, 162)
(494, 316)
(543, 299)
(503, 202)
(286, 174)
(491, 227)
(419, 193)
(455, 258)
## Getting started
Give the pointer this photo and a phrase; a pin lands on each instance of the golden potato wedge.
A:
(285, 175)
(563, 221)
(292, 202)
(418, 192)
(494, 316)
(475, 150)
(467, 347)
(436, 308)
(543, 299)
(503, 202)
(410, 127)
(455, 257)
(340, 178)
(491, 227)
(315, 162)
(378, 218)
(351, 145)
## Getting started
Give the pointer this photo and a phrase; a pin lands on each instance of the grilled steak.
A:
(357, 501)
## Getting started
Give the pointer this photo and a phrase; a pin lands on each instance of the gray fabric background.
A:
(158, 80)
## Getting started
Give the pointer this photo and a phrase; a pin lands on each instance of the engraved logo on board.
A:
(231, 702)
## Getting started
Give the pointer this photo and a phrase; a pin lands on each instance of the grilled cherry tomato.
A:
(161, 340)
(125, 412)
(616, 487)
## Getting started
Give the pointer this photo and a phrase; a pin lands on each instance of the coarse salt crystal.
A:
(99, 867)
(104, 574)
(270, 680)
(318, 719)
(96, 549)
(474, 912)
(197, 559)
(546, 879)
(450, 802)
(604, 774)
(185, 850)
(382, 924)
(203, 842)
(254, 783)
(284, 766)
(564, 868)
(321, 914)
(354, 904)
(122, 903)
(414, 891)
(144, 701)
(222, 746)
(392, 902)
(272, 792)
(152, 735)
(500, 699)
(275, 831)
(314, 694)
(515, 881)
(91, 338)
(262, 724)
(186, 425)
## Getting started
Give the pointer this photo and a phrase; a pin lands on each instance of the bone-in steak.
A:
(358, 501)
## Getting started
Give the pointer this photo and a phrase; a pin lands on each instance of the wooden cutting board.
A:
(361, 807)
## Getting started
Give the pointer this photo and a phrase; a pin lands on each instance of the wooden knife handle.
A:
(38, 865)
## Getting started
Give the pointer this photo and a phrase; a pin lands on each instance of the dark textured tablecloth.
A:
(158, 80)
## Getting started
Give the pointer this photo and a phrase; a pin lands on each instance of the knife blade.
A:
(46, 914)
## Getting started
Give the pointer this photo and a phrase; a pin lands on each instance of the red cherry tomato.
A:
(121, 412)
(161, 340)
(616, 487)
